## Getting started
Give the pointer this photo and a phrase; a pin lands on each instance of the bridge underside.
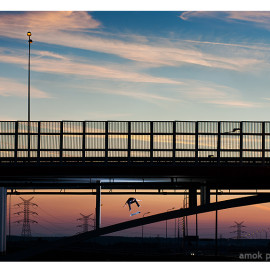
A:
(176, 176)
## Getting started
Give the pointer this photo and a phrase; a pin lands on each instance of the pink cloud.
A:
(62, 65)
(45, 22)
(9, 87)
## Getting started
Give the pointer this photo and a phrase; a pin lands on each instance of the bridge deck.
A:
(234, 153)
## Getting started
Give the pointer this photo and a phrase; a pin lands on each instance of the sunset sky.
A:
(58, 214)
(135, 65)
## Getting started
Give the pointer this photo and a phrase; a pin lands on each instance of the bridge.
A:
(195, 157)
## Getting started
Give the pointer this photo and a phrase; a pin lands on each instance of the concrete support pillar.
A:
(192, 197)
(98, 205)
(205, 195)
(3, 217)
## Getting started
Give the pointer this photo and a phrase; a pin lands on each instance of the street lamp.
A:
(142, 225)
(29, 42)
(166, 221)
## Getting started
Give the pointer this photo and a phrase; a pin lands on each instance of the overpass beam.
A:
(205, 195)
(98, 205)
(3, 216)
(192, 194)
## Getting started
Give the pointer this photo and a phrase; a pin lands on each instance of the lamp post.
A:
(142, 225)
(167, 220)
(29, 42)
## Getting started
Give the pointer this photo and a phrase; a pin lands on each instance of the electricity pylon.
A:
(239, 230)
(26, 229)
(85, 219)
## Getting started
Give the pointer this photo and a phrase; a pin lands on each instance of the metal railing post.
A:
(263, 143)
(241, 142)
(129, 140)
(83, 141)
(106, 140)
(16, 141)
(38, 144)
(174, 139)
(196, 141)
(61, 140)
(218, 144)
(151, 139)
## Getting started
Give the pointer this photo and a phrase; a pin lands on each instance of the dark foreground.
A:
(114, 248)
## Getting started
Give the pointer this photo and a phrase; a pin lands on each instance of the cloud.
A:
(9, 87)
(237, 104)
(96, 71)
(165, 54)
(187, 15)
(193, 91)
(152, 98)
(72, 30)
(44, 22)
(258, 47)
(190, 90)
(211, 93)
(259, 18)
(58, 64)
(48, 54)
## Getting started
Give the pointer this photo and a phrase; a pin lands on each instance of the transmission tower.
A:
(85, 222)
(26, 229)
(238, 230)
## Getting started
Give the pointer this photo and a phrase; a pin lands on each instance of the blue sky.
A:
(136, 65)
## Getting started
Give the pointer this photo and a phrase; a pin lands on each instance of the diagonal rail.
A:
(233, 203)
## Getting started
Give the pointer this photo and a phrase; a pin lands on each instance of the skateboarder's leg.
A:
(137, 203)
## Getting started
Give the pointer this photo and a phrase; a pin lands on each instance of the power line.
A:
(54, 224)
(55, 217)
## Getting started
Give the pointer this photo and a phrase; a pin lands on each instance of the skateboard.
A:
(132, 214)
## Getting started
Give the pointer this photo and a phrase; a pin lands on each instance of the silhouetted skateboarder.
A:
(130, 201)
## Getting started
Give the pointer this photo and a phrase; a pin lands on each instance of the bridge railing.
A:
(131, 141)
